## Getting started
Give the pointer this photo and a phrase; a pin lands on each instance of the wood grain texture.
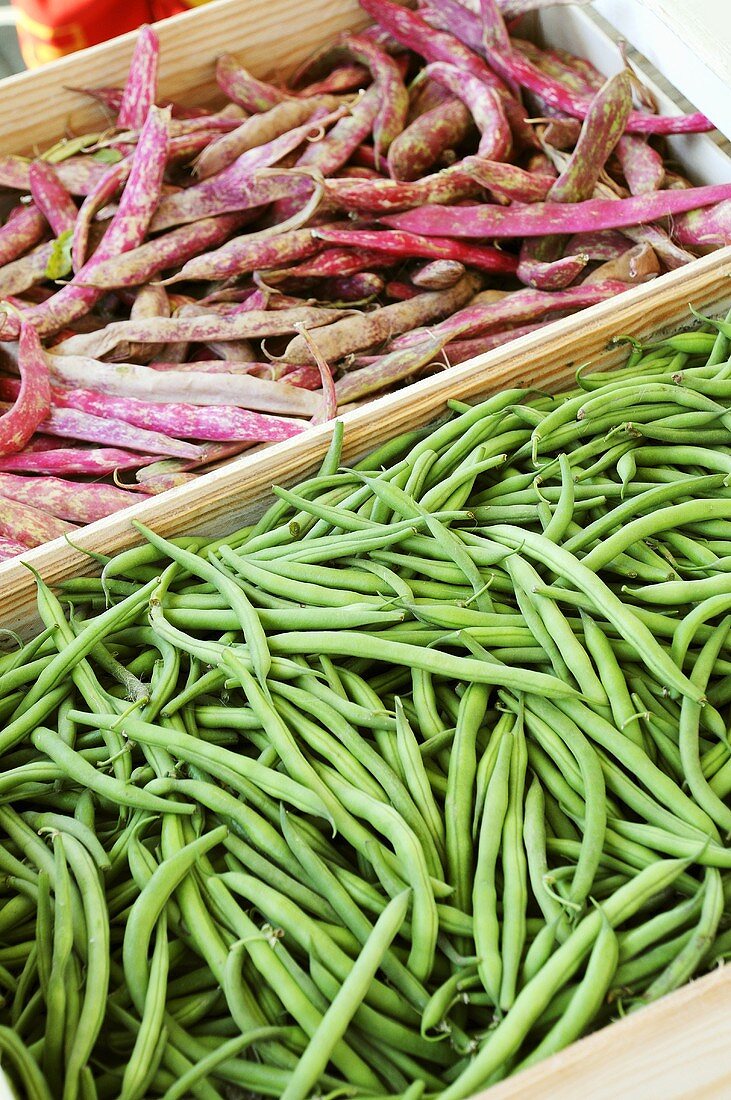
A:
(675, 1049)
(227, 498)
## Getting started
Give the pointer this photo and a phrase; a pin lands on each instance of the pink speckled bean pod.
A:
(23, 229)
(223, 423)
(239, 256)
(70, 500)
(551, 217)
(140, 90)
(333, 262)
(93, 462)
(550, 274)
(388, 369)
(507, 181)
(163, 252)
(486, 313)
(29, 525)
(431, 134)
(708, 228)
(391, 114)
(409, 245)
(10, 548)
(21, 274)
(380, 196)
(484, 105)
(32, 399)
(199, 330)
(209, 199)
(51, 197)
(344, 78)
(258, 130)
(642, 166)
(239, 85)
(194, 388)
(127, 229)
(366, 330)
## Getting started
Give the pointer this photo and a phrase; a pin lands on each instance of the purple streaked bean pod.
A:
(333, 262)
(486, 312)
(240, 256)
(367, 330)
(70, 500)
(337, 146)
(391, 114)
(380, 196)
(642, 166)
(483, 103)
(708, 228)
(93, 462)
(132, 380)
(600, 131)
(425, 140)
(361, 287)
(539, 218)
(163, 252)
(102, 193)
(562, 133)
(239, 85)
(508, 182)
(26, 271)
(602, 128)
(28, 524)
(140, 91)
(10, 548)
(388, 369)
(83, 425)
(51, 197)
(409, 245)
(23, 229)
(126, 230)
(670, 252)
(258, 130)
(150, 301)
(636, 265)
(77, 174)
(550, 274)
(67, 423)
(163, 482)
(459, 351)
(604, 245)
(199, 329)
(344, 78)
(438, 274)
(512, 65)
(221, 423)
(209, 199)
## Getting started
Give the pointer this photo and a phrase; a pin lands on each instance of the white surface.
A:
(575, 29)
(688, 41)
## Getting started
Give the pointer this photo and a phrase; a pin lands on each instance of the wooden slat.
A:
(675, 1049)
(230, 497)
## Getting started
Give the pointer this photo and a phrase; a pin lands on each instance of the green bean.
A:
(97, 964)
(16, 1053)
(335, 1021)
(151, 1039)
(484, 890)
(586, 1000)
(537, 993)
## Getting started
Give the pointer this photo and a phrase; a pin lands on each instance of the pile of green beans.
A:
(402, 788)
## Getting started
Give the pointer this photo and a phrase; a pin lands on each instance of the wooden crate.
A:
(676, 1049)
